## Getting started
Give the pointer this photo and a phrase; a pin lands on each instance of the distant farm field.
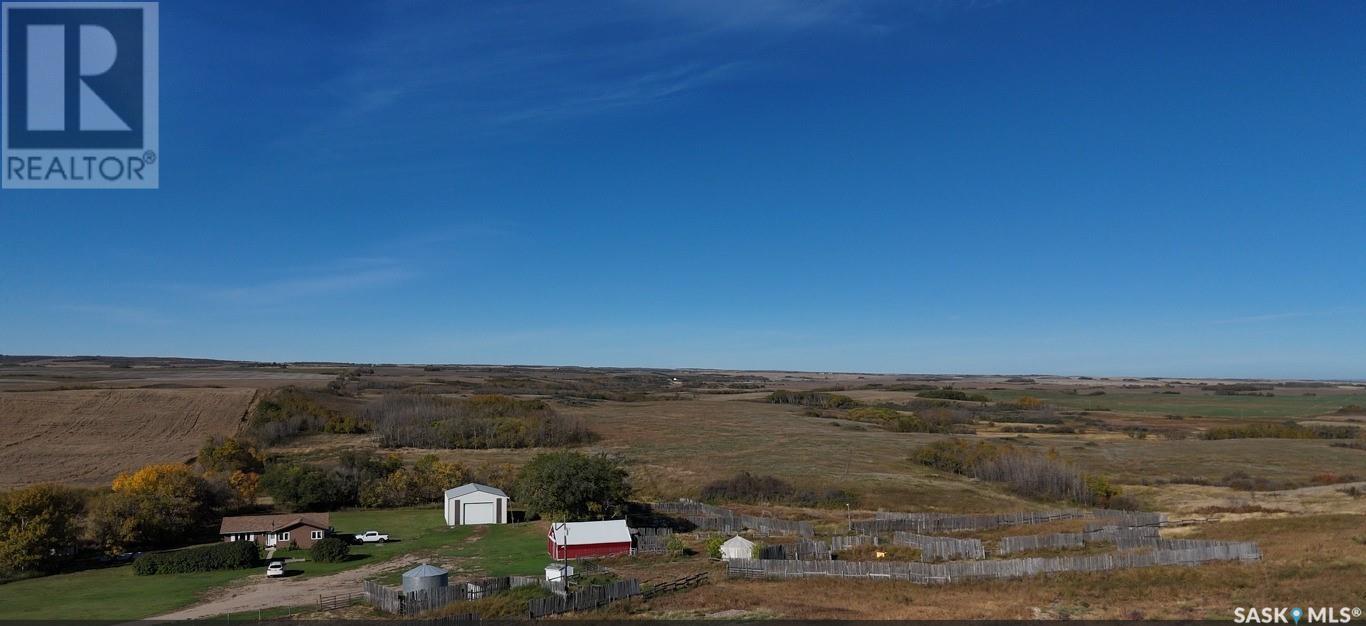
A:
(87, 436)
(1285, 405)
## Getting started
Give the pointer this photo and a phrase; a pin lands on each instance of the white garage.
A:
(474, 503)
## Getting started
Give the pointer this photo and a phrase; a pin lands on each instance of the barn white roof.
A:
(738, 542)
(583, 533)
(469, 488)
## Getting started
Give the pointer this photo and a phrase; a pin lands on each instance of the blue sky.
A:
(1162, 188)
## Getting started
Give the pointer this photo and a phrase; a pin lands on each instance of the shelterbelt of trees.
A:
(44, 528)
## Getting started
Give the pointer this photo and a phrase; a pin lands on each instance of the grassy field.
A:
(116, 593)
(1287, 405)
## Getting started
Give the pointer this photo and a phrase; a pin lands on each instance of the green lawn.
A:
(116, 593)
(107, 594)
(1285, 405)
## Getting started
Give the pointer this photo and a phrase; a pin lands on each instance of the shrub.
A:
(714, 547)
(1024, 472)
(747, 487)
(675, 546)
(943, 394)
(219, 556)
(329, 550)
(306, 487)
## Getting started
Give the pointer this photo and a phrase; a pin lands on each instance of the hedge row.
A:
(227, 555)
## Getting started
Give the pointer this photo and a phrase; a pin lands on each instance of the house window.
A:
(284, 536)
(232, 537)
(316, 535)
(251, 537)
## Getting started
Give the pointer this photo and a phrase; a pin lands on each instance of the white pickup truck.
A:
(372, 536)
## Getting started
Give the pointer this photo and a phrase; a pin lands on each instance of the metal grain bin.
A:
(424, 577)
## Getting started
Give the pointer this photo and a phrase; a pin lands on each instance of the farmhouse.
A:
(737, 547)
(473, 503)
(577, 540)
(300, 529)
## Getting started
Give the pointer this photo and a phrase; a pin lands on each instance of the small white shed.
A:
(558, 571)
(737, 547)
(474, 503)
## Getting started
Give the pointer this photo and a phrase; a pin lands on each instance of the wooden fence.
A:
(805, 549)
(584, 599)
(1123, 537)
(839, 544)
(686, 582)
(715, 518)
(395, 601)
(652, 544)
(338, 601)
(886, 522)
(927, 573)
(941, 548)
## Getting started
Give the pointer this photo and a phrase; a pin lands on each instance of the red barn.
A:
(578, 540)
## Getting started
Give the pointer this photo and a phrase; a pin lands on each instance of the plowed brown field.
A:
(86, 437)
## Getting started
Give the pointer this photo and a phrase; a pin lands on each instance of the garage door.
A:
(478, 513)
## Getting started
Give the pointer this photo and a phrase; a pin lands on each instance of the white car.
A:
(276, 568)
(372, 536)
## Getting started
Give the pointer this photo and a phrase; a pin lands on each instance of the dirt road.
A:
(261, 593)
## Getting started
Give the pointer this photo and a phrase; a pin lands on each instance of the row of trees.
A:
(560, 485)
(488, 421)
(156, 506)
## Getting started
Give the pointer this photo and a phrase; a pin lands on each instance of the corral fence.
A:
(687, 582)
(719, 519)
(928, 573)
(339, 601)
(652, 540)
(584, 599)
(805, 549)
(941, 548)
(885, 522)
(395, 601)
(1114, 517)
(839, 543)
(1122, 537)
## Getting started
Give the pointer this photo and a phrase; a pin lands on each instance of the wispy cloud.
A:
(437, 71)
(342, 280)
(116, 313)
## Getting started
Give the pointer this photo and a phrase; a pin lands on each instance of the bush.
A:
(943, 394)
(219, 556)
(1024, 472)
(329, 550)
(714, 547)
(306, 487)
(747, 487)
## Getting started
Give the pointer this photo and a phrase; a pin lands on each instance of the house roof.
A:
(584, 533)
(268, 523)
(738, 542)
(469, 488)
(423, 571)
